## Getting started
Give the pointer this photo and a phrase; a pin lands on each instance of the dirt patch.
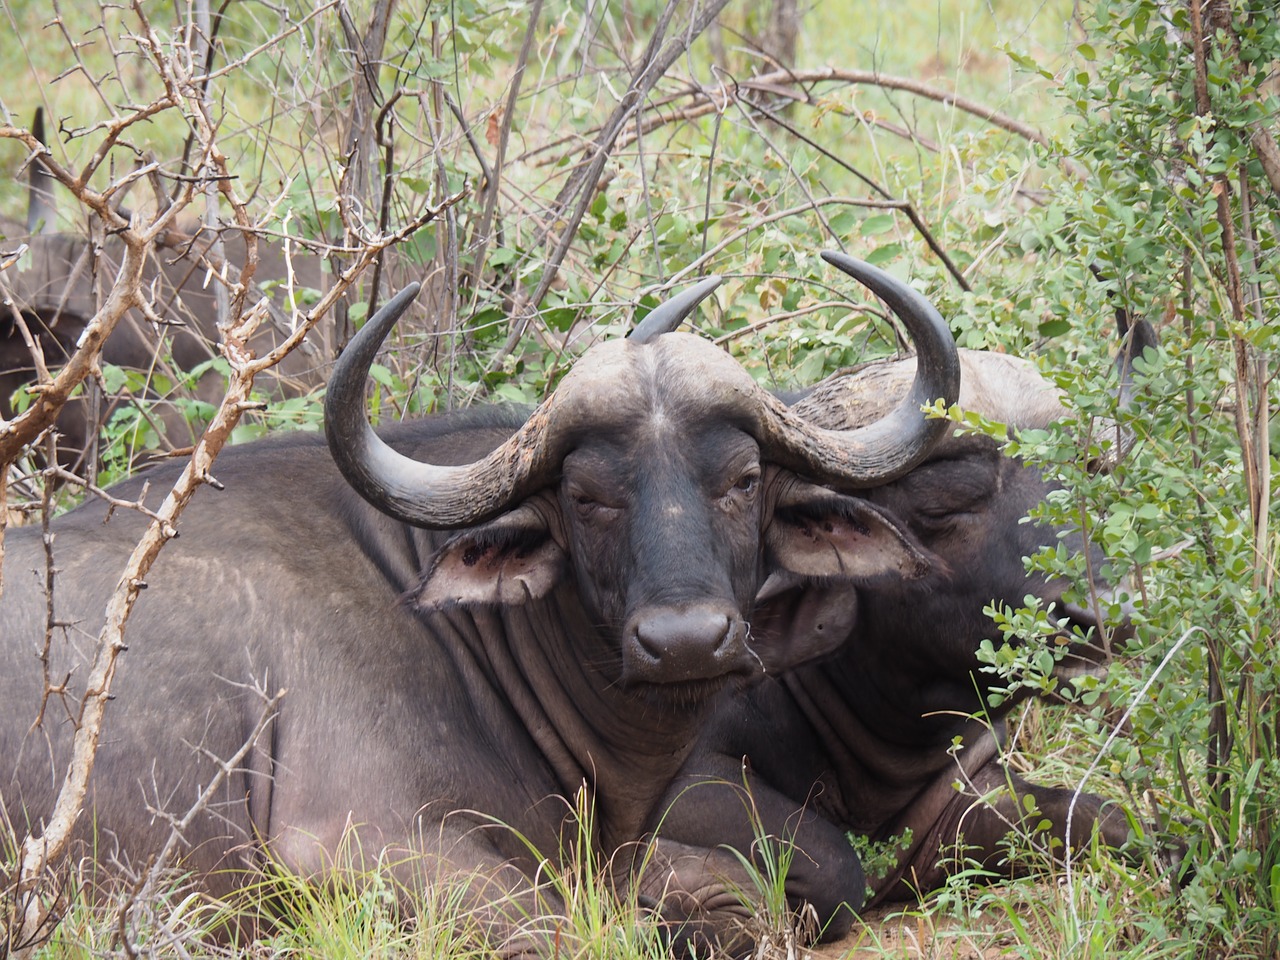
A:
(904, 934)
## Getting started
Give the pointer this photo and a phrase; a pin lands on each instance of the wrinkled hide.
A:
(863, 741)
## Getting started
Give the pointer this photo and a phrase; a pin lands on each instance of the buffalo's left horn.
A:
(419, 493)
(886, 448)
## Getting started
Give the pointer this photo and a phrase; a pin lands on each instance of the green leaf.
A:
(843, 223)
(560, 318)
(883, 254)
(502, 256)
(1054, 328)
(875, 226)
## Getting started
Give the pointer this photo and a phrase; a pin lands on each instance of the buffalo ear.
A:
(821, 546)
(506, 562)
(817, 533)
(798, 620)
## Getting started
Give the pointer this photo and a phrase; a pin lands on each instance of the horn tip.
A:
(842, 260)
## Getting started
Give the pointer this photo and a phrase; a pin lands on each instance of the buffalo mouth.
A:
(683, 693)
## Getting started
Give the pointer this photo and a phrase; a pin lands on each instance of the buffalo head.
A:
(665, 485)
(963, 507)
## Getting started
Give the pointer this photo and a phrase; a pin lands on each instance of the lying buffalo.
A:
(57, 285)
(866, 741)
(598, 592)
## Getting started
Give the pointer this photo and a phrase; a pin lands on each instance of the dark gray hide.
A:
(439, 682)
(863, 741)
(58, 285)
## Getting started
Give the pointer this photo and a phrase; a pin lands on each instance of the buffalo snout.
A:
(668, 645)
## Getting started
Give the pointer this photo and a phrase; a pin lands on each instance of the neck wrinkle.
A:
(550, 664)
(875, 777)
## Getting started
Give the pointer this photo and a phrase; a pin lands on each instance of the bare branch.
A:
(579, 188)
(504, 136)
(797, 85)
(144, 893)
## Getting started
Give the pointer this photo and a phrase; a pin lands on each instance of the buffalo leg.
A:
(782, 840)
(975, 823)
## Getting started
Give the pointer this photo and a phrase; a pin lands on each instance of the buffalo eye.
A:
(588, 507)
(743, 490)
(931, 525)
(941, 519)
(937, 512)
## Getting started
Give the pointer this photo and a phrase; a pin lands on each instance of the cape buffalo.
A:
(894, 732)
(569, 636)
(56, 288)
(57, 285)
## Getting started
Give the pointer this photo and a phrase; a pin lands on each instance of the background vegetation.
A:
(1131, 134)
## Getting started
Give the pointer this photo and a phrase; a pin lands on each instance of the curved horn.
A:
(422, 494)
(671, 313)
(41, 211)
(886, 449)
(1135, 337)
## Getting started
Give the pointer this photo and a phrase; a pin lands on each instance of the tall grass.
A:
(362, 912)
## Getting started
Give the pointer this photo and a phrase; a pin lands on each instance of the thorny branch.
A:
(30, 915)
(908, 208)
(143, 895)
(797, 86)
(635, 117)
(571, 204)
(815, 203)
(493, 186)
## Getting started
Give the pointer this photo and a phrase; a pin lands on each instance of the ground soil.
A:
(900, 933)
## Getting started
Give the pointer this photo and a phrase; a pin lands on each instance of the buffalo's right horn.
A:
(670, 314)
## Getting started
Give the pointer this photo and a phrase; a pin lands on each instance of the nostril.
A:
(733, 634)
(677, 633)
(649, 642)
(700, 643)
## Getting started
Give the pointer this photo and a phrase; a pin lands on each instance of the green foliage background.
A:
(1150, 168)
